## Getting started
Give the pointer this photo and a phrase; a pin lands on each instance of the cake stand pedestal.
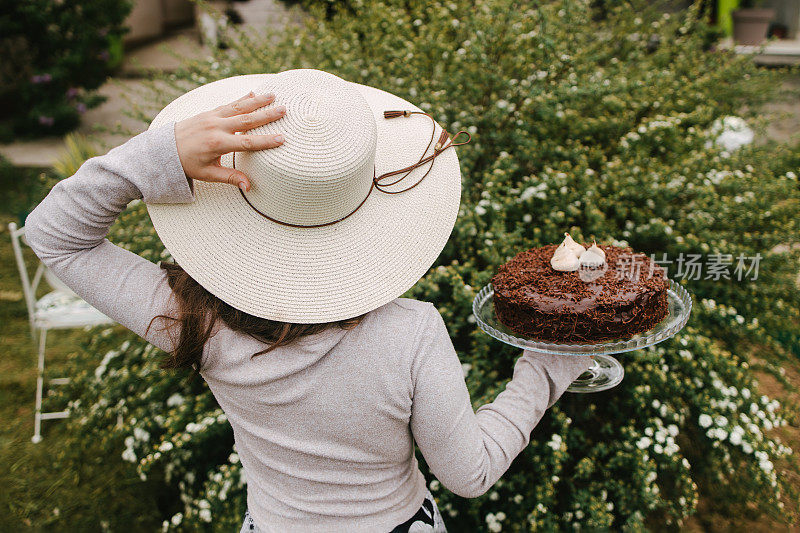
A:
(606, 371)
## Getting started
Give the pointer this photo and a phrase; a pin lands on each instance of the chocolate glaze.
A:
(535, 300)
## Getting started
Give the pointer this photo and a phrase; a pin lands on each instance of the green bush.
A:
(54, 53)
(596, 121)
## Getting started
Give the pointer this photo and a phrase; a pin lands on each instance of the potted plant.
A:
(751, 22)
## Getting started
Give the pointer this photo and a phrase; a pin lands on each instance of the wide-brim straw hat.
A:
(313, 240)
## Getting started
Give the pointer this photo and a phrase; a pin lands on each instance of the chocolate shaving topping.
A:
(625, 297)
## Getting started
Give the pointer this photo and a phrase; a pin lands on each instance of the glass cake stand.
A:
(606, 371)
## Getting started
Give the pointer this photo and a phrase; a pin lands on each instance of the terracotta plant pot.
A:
(750, 25)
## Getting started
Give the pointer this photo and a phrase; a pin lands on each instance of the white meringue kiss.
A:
(592, 259)
(597, 250)
(570, 244)
(564, 260)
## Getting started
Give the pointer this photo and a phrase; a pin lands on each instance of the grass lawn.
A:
(45, 486)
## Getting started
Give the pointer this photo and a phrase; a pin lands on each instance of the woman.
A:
(286, 294)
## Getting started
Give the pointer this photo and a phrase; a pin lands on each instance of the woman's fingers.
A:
(248, 121)
(249, 143)
(247, 104)
(203, 138)
(219, 174)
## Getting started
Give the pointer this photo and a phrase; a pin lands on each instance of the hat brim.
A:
(314, 275)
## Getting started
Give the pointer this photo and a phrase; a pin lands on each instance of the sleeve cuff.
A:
(561, 369)
(169, 184)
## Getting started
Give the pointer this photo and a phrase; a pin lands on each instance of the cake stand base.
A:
(605, 372)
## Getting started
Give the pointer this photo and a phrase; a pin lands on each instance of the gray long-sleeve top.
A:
(324, 427)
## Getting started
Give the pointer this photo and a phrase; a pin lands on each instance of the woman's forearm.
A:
(79, 210)
(68, 229)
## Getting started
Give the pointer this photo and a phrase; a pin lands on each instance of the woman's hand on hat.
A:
(202, 139)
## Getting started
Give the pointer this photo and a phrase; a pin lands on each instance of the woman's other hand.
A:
(202, 139)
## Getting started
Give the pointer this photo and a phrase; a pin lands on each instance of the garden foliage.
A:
(598, 122)
(54, 53)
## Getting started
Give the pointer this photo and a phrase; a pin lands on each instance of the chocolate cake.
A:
(628, 295)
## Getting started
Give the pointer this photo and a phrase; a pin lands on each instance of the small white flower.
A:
(141, 434)
(555, 442)
(705, 421)
(129, 455)
(732, 133)
(174, 400)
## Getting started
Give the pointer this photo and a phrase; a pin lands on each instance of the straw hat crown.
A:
(325, 167)
(314, 240)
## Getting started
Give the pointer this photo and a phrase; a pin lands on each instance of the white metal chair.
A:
(59, 309)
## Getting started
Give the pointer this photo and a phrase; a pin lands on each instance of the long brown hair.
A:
(199, 310)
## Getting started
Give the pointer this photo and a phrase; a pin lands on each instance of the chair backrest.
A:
(28, 286)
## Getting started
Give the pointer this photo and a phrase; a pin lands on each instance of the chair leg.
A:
(37, 417)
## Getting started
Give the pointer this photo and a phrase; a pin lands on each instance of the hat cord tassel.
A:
(438, 148)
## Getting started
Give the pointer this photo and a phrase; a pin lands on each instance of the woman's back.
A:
(322, 425)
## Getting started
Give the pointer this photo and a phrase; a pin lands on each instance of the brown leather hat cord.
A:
(376, 181)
